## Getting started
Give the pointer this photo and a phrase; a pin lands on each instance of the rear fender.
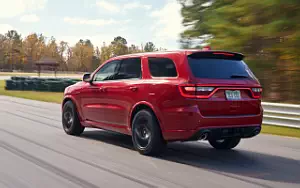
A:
(156, 113)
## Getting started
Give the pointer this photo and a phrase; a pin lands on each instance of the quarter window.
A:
(162, 67)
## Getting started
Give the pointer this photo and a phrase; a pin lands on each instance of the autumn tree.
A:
(52, 49)
(2, 50)
(134, 49)
(83, 52)
(63, 54)
(96, 61)
(13, 48)
(119, 46)
(30, 48)
(18, 53)
(43, 48)
(106, 52)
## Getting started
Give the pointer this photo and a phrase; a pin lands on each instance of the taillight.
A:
(257, 92)
(192, 91)
(205, 92)
(188, 91)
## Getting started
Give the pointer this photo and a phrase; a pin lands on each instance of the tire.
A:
(146, 134)
(224, 144)
(70, 121)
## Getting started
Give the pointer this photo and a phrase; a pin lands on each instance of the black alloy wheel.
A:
(146, 134)
(70, 120)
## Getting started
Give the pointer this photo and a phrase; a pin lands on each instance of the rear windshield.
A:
(219, 68)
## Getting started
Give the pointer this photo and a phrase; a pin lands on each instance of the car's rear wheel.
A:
(146, 134)
(70, 120)
(224, 144)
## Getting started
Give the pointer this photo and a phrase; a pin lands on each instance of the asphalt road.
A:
(35, 153)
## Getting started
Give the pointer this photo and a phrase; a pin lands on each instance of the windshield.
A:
(219, 68)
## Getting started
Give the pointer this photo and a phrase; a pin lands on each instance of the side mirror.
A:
(86, 77)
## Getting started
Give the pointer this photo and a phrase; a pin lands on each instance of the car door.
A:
(93, 96)
(123, 92)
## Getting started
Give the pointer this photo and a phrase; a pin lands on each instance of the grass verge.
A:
(55, 97)
(281, 131)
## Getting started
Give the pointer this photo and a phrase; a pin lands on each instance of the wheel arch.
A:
(70, 98)
(141, 106)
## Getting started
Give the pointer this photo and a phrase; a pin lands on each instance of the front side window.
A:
(107, 72)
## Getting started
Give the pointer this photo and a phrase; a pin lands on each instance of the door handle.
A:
(102, 89)
(133, 88)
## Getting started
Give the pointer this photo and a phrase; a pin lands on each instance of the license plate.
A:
(233, 95)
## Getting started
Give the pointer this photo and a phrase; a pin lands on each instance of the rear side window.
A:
(130, 68)
(219, 68)
(162, 67)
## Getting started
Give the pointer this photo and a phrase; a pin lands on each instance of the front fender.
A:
(76, 103)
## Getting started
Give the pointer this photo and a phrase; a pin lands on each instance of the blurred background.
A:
(266, 31)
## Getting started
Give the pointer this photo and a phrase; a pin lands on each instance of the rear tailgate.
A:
(219, 105)
(224, 85)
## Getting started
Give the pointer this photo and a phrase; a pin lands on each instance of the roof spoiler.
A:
(217, 55)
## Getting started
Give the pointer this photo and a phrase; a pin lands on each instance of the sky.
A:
(138, 21)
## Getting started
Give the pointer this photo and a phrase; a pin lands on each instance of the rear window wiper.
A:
(239, 76)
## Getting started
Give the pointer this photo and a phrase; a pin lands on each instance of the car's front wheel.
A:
(224, 144)
(146, 134)
(70, 120)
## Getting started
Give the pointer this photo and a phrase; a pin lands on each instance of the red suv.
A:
(184, 95)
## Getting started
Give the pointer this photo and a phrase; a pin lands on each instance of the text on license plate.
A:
(233, 95)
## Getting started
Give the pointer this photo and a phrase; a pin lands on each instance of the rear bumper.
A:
(187, 123)
(222, 133)
(245, 131)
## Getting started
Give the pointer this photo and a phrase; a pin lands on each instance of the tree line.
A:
(17, 53)
(266, 31)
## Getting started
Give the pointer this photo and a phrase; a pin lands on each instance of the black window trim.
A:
(162, 77)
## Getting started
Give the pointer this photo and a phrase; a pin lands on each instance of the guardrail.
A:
(286, 115)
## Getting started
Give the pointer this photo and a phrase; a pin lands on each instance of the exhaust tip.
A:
(257, 131)
(203, 136)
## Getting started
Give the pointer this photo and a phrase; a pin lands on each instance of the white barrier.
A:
(287, 115)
